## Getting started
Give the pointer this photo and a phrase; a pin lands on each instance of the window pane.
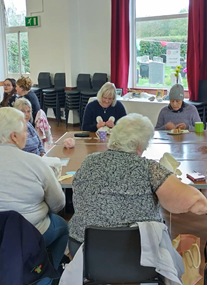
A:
(15, 12)
(24, 52)
(12, 53)
(148, 8)
(152, 38)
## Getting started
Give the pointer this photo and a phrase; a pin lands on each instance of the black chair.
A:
(83, 83)
(38, 92)
(112, 255)
(55, 97)
(72, 102)
(44, 81)
(99, 79)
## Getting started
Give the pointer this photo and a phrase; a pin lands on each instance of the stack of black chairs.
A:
(55, 97)
(44, 81)
(72, 97)
(99, 79)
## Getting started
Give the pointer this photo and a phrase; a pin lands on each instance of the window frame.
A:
(12, 30)
(133, 20)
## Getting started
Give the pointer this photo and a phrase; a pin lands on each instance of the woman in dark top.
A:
(24, 84)
(10, 93)
(103, 112)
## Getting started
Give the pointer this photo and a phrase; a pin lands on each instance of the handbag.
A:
(205, 270)
(188, 246)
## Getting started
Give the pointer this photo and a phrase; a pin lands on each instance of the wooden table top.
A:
(93, 139)
(191, 137)
(193, 156)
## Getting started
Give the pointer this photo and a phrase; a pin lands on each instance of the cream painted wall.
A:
(74, 37)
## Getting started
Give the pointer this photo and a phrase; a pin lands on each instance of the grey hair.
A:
(12, 120)
(108, 90)
(21, 103)
(131, 133)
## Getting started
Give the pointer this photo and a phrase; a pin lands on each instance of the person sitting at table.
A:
(10, 93)
(24, 85)
(119, 187)
(29, 186)
(33, 142)
(177, 114)
(103, 112)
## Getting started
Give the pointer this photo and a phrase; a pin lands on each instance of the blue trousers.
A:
(56, 238)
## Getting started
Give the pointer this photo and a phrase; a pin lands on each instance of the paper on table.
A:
(64, 161)
(65, 177)
(71, 172)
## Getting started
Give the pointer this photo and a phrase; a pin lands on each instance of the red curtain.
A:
(197, 46)
(120, 43)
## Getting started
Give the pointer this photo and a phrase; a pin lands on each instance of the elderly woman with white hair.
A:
(29, 186)
(104, 111)
(33, 142)
(119, 187)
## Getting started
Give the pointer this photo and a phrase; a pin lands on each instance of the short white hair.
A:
(12, 120)
(22, 103)
(108, 90)
(131, 133)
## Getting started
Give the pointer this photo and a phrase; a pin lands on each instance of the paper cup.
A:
(199, 127)
(101, 134)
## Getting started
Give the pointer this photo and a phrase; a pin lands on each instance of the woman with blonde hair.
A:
(24, 85)
(104, 111)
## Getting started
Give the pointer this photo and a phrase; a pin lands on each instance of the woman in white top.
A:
(29, 186)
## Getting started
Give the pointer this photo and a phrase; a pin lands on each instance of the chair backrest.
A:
(44, 80)
(112, 255)
(84, 82)
(59, 80)
(99, 79)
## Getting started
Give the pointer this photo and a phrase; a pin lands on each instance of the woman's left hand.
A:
(42, 153)
(110, 124)
(182, 126)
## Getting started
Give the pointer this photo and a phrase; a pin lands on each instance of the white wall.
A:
(74, 37)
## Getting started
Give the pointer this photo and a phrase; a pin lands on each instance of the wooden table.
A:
(192, 153)
(93, 139)
(76, 155)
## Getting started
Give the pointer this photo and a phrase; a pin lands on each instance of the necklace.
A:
(104, 109)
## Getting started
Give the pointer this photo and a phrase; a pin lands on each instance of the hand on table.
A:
(110, 124)
(182, 126)
(170, 126)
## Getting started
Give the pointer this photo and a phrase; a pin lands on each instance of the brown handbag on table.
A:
(189, 248)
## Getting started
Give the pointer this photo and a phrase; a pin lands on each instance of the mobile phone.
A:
(81, 135)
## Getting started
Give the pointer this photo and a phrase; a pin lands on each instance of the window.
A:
(161, 42)
(17, 47)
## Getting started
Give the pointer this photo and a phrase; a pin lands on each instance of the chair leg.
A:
(66, 117)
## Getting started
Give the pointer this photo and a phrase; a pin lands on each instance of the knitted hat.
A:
(176, 92)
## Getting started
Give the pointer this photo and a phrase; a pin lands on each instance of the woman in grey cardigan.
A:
(28, 185)
(177, 114)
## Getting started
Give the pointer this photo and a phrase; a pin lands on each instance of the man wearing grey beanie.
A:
(177, 114)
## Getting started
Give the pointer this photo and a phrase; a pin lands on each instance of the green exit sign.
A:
(32, 21)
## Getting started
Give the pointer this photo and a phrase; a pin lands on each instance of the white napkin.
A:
(55, 164)
(170, 163)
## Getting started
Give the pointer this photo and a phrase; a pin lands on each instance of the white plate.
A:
(182, 132)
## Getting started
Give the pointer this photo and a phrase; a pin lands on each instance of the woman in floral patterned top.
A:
(118, 187)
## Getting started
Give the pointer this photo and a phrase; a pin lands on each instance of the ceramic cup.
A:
(101, 134)
(199, 127)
